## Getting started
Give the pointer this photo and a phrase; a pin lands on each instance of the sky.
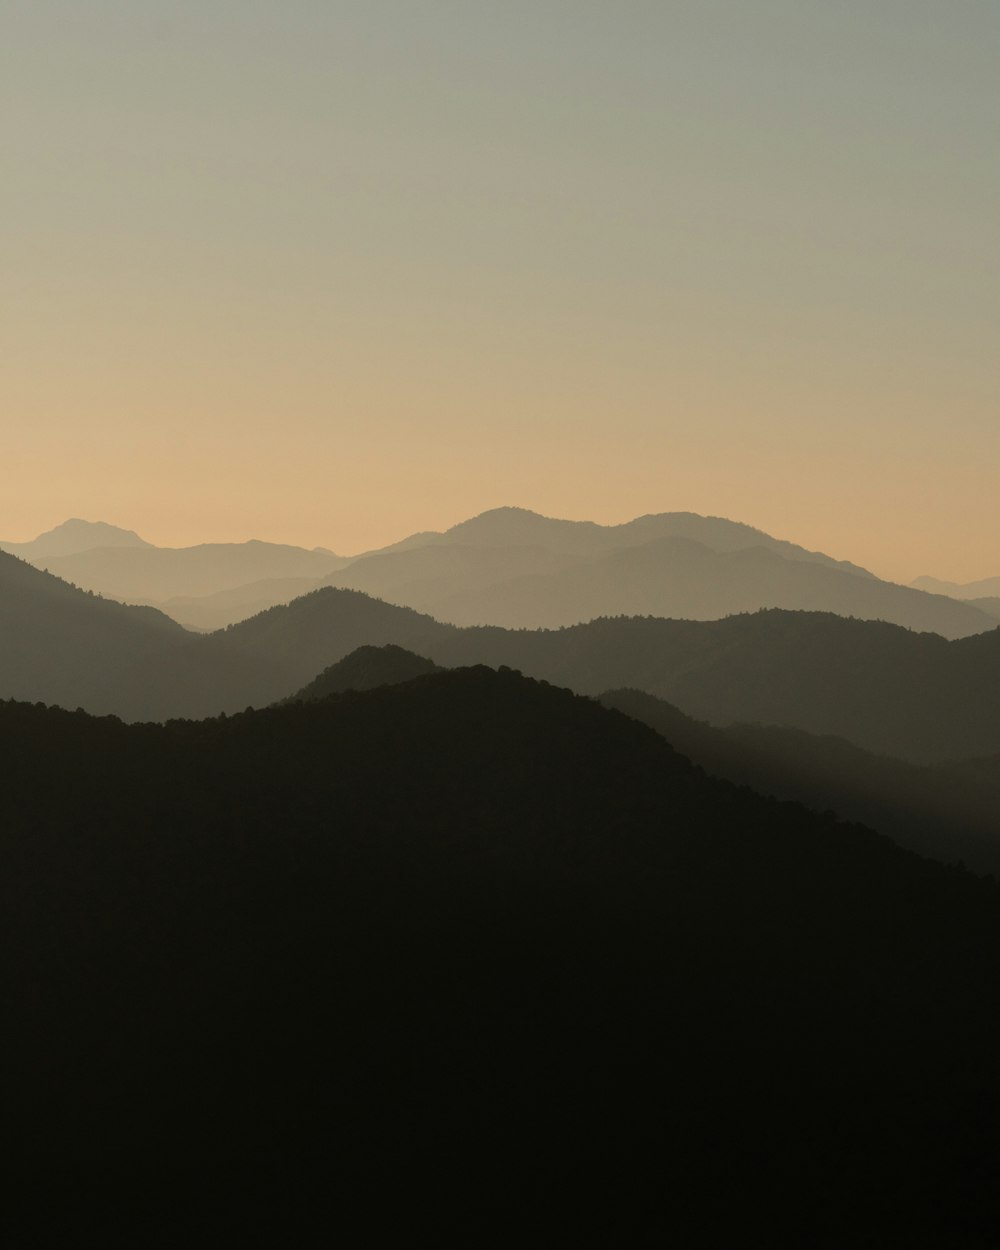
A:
(328, 272)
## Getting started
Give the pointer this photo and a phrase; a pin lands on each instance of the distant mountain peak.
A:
(74, 536)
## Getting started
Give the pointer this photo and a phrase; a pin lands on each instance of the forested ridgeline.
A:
(470, 954)
(882, 687)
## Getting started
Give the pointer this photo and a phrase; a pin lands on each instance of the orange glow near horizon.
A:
(328, 275)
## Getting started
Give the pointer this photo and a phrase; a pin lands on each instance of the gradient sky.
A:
(328, 272)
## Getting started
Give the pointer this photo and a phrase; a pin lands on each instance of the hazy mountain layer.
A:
(226, 607)
(506, 567)
(988, 587)
(72, 537)
(948, 813)
(402, 954)
(916, 696)
(62, 645)
(515, 568)
(884, 688)
(990, 605)
(156, 574)
(519, 527)
(672, 577)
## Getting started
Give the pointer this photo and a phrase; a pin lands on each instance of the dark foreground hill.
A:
(473, 958)
(950, 813)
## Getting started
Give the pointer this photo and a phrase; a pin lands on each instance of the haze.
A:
(328, 273)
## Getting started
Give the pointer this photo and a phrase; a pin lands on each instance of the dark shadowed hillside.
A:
(400, 955)
(367, 668)
(916, 696)
(947, 813)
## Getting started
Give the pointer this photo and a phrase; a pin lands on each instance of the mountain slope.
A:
(269, 656)
(457, 935)
(62, 645)
(916, 696)
(948, 814)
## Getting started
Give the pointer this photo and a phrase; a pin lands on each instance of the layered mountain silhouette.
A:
(988, 587)
(947, 812)
(401, 954)
(887, 689)
(515, 568)
(367, 668)
(75, 536)
(159, 574)
(59, 644)
(671, 577)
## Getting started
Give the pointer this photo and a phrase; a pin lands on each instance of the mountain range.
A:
(460, 911)
(886, 689)
(509, 567)
(470, 952)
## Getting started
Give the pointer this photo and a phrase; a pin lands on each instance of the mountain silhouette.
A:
(59, 644)
(516, 568)
(367, 668)
(401, 954)
(269, 656)
(886, 689)
(157, 574)
(74, 536)
(987, 587)
(670, 577)
(519, 527)
(949, 813)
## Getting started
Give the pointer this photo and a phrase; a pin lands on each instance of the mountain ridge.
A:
(468, 931)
